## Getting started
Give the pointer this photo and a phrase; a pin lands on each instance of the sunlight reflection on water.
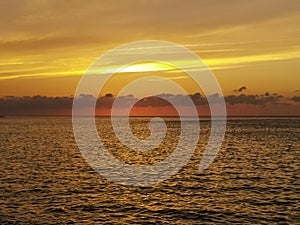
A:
(45, 180)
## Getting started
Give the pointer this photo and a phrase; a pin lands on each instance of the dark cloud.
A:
(240, 89)
(296, 98)
(42, 105)
(252, 99)
(36, 105)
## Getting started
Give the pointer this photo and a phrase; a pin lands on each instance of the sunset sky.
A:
(46, 46)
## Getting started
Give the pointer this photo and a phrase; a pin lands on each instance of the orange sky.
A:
(47, 45)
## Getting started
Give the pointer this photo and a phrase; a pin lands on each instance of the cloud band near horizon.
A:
(237, 105)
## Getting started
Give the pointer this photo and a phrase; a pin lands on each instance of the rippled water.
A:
(254, 179)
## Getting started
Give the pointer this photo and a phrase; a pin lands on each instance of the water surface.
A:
(253, 180)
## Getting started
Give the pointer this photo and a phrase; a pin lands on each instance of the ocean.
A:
(253, 180)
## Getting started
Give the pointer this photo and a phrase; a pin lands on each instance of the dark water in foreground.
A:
(253, 180)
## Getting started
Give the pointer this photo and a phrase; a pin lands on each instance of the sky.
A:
(46, 46)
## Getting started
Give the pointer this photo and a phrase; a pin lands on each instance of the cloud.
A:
(53, 16)
(240, 89)
(296, 98)
(35, 105)
(253, 99)
(43, 105)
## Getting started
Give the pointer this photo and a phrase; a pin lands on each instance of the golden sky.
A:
(45, 46)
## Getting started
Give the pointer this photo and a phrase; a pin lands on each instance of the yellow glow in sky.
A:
(136, 68)
(46, 46)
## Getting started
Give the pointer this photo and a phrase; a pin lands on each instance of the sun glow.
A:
(139, 67)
